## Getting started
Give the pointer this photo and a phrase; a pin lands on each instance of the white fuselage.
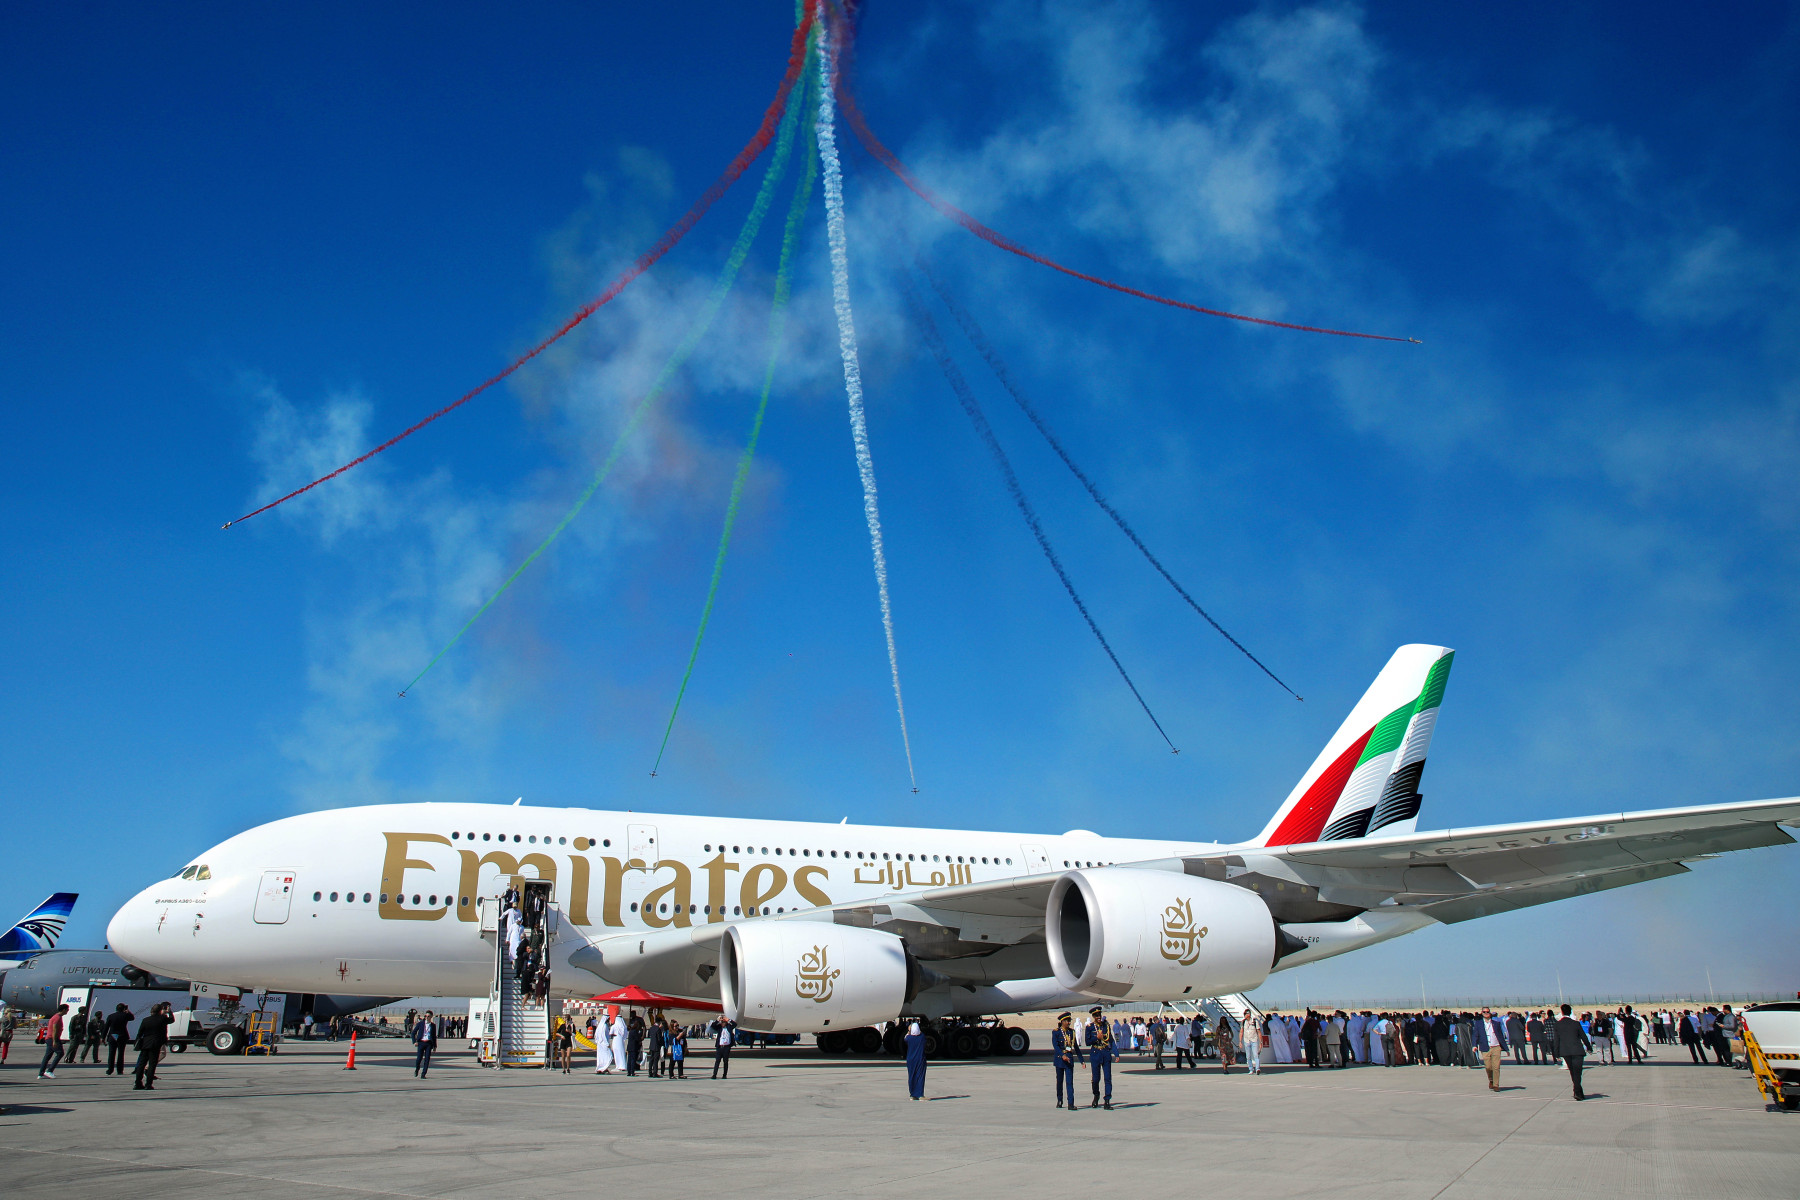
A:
(384, 899)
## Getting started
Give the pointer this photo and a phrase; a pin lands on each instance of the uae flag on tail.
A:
(1366, 780)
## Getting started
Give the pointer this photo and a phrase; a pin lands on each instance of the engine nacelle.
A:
(1124, 933)
(806, 976)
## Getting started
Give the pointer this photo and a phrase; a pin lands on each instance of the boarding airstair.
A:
(1211, 1008)
(524, 1026)
(515, 1030)
(1235, 1004)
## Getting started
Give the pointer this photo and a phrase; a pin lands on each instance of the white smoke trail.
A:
(846, 323)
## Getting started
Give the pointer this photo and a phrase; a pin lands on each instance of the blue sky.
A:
(237, 246)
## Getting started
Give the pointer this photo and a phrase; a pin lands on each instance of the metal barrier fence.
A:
(1274, 1001)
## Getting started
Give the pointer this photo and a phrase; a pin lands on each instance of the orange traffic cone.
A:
(351, 1064)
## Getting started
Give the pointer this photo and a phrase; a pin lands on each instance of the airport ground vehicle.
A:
(220, 1020)
(1772, 1043)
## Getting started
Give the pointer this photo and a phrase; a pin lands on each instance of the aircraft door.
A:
(1036, 860)
(273, 900)
(640, 841)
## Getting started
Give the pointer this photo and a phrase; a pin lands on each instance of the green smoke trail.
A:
(777, 326)
(759, 209)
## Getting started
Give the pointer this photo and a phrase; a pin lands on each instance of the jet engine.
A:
(1125, 933)
(806, 976)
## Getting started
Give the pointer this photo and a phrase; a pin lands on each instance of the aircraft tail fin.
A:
(38, 930)
(1366, 780)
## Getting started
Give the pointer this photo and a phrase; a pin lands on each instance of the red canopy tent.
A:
(637, 996)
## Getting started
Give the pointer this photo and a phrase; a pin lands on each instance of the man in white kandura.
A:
(617, 1034)
(603, 1055)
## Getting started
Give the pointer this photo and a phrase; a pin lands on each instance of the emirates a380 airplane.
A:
(800, 927)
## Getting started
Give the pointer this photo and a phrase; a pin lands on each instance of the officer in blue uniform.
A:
(1065, 1052)
(1101, 1053)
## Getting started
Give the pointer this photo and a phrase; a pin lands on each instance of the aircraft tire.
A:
(962, 1044)
(866, 1040)
(832, 1042)
(228, 1039)
(893, 1042)
(984, 1043)
(1014, 1041)
(934, 1046)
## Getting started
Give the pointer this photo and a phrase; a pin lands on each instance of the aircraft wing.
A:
(987, 933)
(1459, 874)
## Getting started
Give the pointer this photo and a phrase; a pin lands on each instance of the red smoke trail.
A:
(846, 101)
(754, 147)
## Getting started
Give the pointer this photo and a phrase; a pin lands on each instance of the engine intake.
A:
(1124, 933)
(807, 976)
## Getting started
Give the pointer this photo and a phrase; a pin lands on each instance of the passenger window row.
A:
(367, 898)
(581, 843)
(862, 855)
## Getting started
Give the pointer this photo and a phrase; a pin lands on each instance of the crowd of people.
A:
(69, 1039)
(1338, 1038)
(626, 1042)
(338, 1028)
(1335, 1039)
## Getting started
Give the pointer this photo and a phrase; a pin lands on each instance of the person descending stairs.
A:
(522, 974)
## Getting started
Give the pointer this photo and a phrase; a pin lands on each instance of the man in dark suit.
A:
(634, 1043)
(1634, 1030)
(117, 1038)
(1515, 1036)
(425, 1037)
(1534, 1028)
(1572, 1046)
(653, 1040)
(153, 1034)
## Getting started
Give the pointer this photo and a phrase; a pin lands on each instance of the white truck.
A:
(1772, 1042)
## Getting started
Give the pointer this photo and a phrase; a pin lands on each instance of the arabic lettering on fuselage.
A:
(592, 887)
(899, 877)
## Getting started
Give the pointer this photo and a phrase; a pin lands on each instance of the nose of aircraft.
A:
(132, 933)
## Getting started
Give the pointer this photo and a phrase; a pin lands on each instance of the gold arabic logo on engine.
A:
(1180, 939)
(814, 977)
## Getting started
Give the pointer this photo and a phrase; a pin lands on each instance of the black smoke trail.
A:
(966, 397)
(982, 346)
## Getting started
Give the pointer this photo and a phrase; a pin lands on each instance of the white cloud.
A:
(415, 559)
(1206, 189)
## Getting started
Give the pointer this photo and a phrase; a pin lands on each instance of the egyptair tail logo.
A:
(39, 929)
(814, 977)
(1180, 938)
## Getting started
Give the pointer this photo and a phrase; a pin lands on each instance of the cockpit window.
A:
(189, 873)
(205, 872)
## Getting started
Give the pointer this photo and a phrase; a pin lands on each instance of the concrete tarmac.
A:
(792, 1124)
